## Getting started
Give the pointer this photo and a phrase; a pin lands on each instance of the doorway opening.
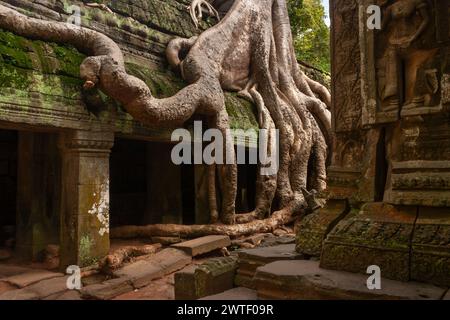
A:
(8, 188)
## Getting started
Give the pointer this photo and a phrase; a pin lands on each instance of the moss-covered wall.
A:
(39, 83)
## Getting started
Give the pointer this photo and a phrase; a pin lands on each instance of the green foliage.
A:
(311, 34)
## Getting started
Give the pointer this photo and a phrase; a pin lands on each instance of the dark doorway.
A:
(246, 189)
(146, 187)
(188, 193)
(128, 183)
(8, 186)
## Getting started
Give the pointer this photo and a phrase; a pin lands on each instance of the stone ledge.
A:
(303, 279)
(251, 259)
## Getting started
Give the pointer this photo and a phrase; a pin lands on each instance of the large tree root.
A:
(116, 260)
(268, 225)
(250, 51)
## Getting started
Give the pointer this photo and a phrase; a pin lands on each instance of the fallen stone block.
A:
(251, 259)
(164, 262)
(25, 279)
(304, 279)
(107, 290)
(237, 294)
(203, 245)
(213, 276)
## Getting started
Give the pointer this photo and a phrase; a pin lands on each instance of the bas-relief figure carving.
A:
(407, 67)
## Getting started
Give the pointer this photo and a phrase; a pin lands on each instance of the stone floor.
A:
(273, 271)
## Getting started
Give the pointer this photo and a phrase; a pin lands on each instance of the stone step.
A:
(304, 280)
(251, 259)
(239, 293)
(139, 274)
(203, 245)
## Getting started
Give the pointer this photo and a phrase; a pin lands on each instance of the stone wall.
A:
(44, 76)
(391, 152)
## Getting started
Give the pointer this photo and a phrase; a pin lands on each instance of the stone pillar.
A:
(38, 193)
(85, 196)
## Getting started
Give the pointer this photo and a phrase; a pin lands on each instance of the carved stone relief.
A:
(404, 60)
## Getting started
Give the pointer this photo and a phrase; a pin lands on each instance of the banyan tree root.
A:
(115, 260)
(100, 6)
(268, 225)
(250, 51)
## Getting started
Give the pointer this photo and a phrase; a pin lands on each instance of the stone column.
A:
(85, 196)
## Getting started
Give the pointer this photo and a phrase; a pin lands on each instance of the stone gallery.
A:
(98, 97)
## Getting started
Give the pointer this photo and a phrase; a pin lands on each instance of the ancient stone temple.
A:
(389, 177)
(71, 163)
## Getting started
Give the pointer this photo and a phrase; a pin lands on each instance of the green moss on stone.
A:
(85, 247)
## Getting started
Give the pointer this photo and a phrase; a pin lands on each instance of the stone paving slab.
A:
(239, 293)
(164, 262)
(39, 290)
(303, 279)
(138, 274)
(49, 287)
(203, 245)
(19, 294)
(107, 290)
(5, 286)
(66, 295)
(32, 276)
(11, 270)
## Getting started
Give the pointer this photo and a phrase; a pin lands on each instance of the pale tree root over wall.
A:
(250, 52)
(268, 225)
